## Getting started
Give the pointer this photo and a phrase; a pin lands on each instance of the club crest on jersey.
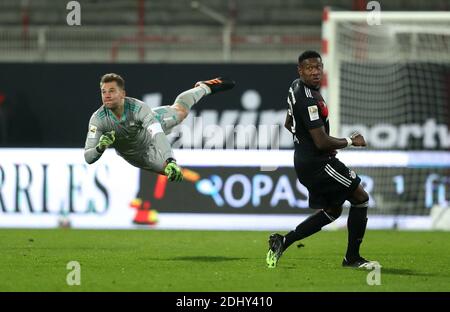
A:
(323, 109)
(313, 112)
(92, 131)
(352, 174)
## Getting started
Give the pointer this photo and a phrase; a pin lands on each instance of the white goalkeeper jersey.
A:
(133, 138)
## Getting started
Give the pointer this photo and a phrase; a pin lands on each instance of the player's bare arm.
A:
(325, 142)
(288, 122)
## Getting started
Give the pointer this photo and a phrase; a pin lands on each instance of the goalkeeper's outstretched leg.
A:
(172, 115)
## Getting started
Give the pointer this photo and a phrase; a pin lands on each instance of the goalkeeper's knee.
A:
(188, 98)
(179, 112)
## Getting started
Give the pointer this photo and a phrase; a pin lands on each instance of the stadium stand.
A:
(170, 31)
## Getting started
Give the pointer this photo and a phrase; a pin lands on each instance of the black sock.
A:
(356, 224)
(311, 225)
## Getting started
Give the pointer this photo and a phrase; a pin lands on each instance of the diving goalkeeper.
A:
(138, 132)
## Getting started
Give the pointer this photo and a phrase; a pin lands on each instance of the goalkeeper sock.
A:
(311, 225)
(356, 224)
(189, 97)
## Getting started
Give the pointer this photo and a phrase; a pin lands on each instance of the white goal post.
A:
(389, 78)
(347, 36)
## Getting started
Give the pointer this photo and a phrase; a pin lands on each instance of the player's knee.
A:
(360, 196)
(362, 199)
(181, 111)
(334, 213)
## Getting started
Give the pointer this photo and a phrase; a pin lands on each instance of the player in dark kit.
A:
(330, 183)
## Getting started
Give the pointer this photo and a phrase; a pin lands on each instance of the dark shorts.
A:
(330, 183)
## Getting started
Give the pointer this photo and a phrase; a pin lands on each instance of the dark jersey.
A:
(308, 111)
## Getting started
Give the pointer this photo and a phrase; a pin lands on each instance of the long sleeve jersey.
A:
(136, 133)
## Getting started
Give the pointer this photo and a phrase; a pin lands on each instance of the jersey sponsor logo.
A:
(313, 112)
(92, 131)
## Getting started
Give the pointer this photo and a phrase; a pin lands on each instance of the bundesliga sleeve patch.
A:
(92, 131)
(313, 112)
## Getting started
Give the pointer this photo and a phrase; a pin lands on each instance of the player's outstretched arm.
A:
(325, 142)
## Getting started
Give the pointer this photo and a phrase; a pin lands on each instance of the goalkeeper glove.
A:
(173, 172)
(105, 141)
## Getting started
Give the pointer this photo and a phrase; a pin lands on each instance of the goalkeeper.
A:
(137, 132)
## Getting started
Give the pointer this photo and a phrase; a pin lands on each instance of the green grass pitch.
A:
(205, 261)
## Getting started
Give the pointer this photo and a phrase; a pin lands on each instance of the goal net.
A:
(390, 80)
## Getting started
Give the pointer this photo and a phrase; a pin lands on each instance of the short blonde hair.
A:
(113, 77)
